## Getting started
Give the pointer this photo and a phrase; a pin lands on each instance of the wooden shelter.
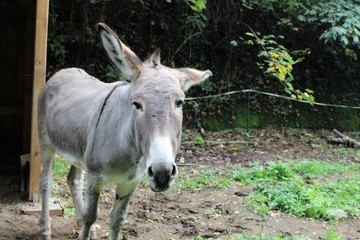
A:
(23, 24)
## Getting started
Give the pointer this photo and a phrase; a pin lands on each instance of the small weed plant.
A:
(203, 178)
(199, 139)
(331, 235)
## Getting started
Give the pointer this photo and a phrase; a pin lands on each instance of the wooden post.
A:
(42, 11)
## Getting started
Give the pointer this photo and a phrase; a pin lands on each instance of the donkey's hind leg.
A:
(48, 157)
(75, 181)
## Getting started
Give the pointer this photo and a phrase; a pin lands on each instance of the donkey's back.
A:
(69, 108)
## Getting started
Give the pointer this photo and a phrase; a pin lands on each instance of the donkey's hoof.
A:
(93, 231)
(44, 237)
(93, 235)
(45, 234)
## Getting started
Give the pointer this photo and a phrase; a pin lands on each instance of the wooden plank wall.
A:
(42, 11)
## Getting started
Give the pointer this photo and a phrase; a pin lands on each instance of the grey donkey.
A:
(113, 132)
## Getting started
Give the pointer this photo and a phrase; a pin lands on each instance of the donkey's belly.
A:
(77, 161)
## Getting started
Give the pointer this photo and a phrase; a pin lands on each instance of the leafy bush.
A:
(199, 34)
(342, 22)
(280, 63)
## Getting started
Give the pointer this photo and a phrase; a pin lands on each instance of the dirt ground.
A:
(180, 214)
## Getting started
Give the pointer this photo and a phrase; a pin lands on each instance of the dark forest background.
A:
(230, 38)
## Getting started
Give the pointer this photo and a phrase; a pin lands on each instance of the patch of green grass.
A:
(60, 171)
(342, 152)
(284, 187)
(199, 139)
(184, 137)
(69, 210)
(203, 178)
(274, 172)
(252, 237)
(61, 167)
(343, 193)
(330, 235)
(312, 168)
(281, 187)
(357, 154)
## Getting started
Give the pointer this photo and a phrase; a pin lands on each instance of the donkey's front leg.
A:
(119, 212)
(90, 212)
(48, 158)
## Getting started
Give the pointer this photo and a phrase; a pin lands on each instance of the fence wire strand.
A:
(272, 95)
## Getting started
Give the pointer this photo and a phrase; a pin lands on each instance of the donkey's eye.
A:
(178, 103)
(137, 106)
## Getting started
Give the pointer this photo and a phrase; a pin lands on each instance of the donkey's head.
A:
(157, 95)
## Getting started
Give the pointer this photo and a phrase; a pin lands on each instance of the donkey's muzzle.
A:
(161, 177)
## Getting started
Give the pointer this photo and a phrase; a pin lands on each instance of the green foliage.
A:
(196, 5)
(184, 137)
(289, 193)
(69, 210)
(202, 178)
(200, 34)
(279, 63)
(342, 152)
(341, 20)
(357, 154)
(259, 236)
(331, 235)
(273, 172)
(312, 168)
(283, 187)
(198, 21)
(199, 139)
(61, 167)
(274, 6)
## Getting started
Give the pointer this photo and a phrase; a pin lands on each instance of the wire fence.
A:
(250, 92)
(272, 95)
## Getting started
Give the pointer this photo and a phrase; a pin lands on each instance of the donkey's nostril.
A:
(174, 170)
(150, 172)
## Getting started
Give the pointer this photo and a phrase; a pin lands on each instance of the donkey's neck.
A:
(114, 135)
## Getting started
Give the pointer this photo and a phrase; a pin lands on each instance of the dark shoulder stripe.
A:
(106, 100)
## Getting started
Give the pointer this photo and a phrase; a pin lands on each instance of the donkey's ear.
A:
(154, 60)
(120, 55)
(190, 77)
